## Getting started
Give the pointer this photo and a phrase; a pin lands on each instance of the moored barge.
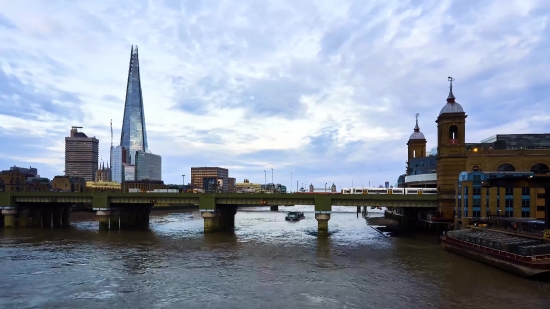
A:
(523, 256)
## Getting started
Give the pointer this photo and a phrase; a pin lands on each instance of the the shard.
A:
(134, 135)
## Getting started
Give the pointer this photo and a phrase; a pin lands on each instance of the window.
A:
(476, 191)
(540, 208)
(509, 191)
(525, 214)
(476, 202)
(466, 190)
(525, 203)
(540, 195)
(509, 203)
(476, 213)
(525, 191)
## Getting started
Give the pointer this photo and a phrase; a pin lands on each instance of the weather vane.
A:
(451, 79)
(417, 114)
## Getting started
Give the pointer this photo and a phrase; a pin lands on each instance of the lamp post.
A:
(325, 187)
(272, 183)
(290, 187)
(183, 183)
(265, 180)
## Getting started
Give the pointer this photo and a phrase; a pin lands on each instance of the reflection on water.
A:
(264, 262)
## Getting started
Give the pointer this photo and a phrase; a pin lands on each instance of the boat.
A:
(294, 216)
(524, 256)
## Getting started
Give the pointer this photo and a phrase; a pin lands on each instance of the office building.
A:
(220, 175)
(81, 155)
(148, 166)
(118, 159)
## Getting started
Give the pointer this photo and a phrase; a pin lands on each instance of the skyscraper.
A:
(81, 155)
(132, 160)
(133, 136)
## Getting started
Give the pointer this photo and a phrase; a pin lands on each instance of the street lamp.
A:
(272, 183)
(325, 187)
(183, 183)
(265, 180)
(290, 187)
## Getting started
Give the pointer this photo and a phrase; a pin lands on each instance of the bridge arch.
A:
(540, 168)
(506, 167)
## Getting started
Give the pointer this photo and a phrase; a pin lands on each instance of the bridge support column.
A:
(104, 216)
(274, 208)
(130, 219)
(123, 219)
(145, 218)
(322, 223)
(46, 217)
(115, 220)
(36, 217)
(66, 216)
(57, 213)
(24, 217)
(138, 218)
(211, 221)
(9, 217)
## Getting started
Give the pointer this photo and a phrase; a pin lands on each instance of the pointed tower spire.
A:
(451, 97)
(416, 127)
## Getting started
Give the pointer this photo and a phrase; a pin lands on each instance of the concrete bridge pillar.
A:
(130, 219)
(138, 218)
(145, 218)
(211, 221)
(322, 223)
(274, 208)
(24, 217)
(104, 216)
(9, 217)
(123, 219)
(36, 217)
(57, 213)
(66, 216)
(46, 217)
(114, 220)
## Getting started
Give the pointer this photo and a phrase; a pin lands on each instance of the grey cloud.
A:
(5, 22)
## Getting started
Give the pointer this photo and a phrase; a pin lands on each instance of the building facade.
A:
(118, 159)
(24, 170)
(129, 172)
(81, 155)
(473, 201)
(148, 166)
(103, 173)
(69, 184)
(103, 186)
(12, 181)
(198, 174)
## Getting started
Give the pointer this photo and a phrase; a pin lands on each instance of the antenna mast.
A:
(111, 133)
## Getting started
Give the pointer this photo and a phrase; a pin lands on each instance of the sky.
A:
(319, 91)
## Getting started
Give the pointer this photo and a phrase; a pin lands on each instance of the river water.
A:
(266, 263)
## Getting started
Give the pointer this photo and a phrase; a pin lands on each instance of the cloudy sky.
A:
(325, 89)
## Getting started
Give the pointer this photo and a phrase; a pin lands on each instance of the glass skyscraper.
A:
(134, 135)
(132, 160)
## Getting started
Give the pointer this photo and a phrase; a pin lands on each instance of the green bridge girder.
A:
(210, 201)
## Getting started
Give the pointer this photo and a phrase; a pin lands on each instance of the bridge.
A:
(131, 210)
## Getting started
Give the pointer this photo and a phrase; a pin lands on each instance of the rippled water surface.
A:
(265, 263)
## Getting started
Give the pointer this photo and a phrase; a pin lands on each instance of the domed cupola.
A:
(451, 107)
(417, 134)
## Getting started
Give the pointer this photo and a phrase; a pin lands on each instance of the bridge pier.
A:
(36, 217)
(24, 217)
(104, 216)
(57, 214)
(9, 217)
(66, 216)
(322, 223)
(219, 219)
(274, 208)
(46, 217)
(114, 220)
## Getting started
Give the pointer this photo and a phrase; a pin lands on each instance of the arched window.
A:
(453, 135)
(540, 168)
(506, 167)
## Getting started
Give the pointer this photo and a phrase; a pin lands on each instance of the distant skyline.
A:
(327, 90)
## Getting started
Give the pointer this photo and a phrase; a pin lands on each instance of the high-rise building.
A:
(199, 174)
(118, 157)
(132, 161)
(81, 155)
(148, 166)
(133, 135)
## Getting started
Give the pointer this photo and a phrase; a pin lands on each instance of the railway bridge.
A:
(131, 210)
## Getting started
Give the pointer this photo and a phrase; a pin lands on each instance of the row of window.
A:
(508, 191)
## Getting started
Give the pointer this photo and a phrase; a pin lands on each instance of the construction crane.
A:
(111, 133)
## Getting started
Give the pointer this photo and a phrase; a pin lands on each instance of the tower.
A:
(451, 151)
(416, 145)
(133, 136)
